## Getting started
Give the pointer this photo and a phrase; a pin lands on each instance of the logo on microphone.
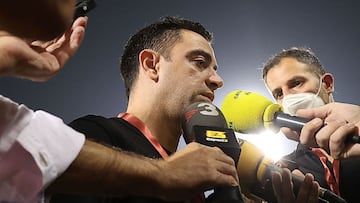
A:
(216, 136)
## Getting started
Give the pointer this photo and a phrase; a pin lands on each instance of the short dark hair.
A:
(159, 36)
(301, 54)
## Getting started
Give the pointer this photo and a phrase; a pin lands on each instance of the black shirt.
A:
(115, 132)
(308, 162)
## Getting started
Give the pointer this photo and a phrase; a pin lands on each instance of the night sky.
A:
(246, 34)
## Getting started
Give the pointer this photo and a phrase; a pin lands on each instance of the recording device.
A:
(204, 123)
(250, 112)
(83, 7)
(255, 169)
(41, 20)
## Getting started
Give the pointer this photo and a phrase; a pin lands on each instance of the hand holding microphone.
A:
(204, 123)
(256, 173)
(248, 112)
(44, 21)
(335, 114)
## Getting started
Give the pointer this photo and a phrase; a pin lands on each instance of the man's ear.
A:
(328, 80)
(149, 61)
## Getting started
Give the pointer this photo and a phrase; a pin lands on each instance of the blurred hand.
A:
(39, 60)
(40, 19)
(283, 188)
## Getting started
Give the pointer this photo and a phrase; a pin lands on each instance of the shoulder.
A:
(97, 127)
(93, 120)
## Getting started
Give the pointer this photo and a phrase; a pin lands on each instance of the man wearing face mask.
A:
(292, 102)
(297, 80)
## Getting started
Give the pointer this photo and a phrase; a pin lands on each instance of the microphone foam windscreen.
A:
(244, 111)
(201, 113)
(251, 166)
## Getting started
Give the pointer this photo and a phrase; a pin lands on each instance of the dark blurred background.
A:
(246, 32)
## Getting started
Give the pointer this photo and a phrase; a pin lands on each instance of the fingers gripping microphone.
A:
(255, 172)
(204, 123)
(249, 112)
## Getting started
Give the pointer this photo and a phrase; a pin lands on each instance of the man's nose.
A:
(215, 81)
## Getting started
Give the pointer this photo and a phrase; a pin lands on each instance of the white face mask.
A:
(293, 102)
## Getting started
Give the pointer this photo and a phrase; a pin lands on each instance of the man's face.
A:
(190, 73)
(292, 77)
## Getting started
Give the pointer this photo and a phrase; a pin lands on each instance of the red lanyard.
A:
(145, 130)
(155, 143)
(333, 182)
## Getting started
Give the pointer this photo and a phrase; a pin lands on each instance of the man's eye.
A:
(201, 63)
(278, 95)
(296, 83)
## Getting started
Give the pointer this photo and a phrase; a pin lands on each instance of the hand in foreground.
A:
(195, 169)
(182, 176)
(40, 19)
(283, 188)
(341, 120)
(38, 60)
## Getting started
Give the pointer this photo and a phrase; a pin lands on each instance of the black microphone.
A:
(297, 123)
(204, 123)
(250, 112)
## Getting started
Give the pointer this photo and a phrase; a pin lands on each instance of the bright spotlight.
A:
(274, 146)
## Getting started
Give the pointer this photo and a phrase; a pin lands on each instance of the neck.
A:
(166, 130)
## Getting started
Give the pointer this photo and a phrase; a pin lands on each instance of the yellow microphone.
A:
(250, 112)
(254, 172)
(205, 123)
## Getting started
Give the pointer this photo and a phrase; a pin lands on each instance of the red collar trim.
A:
(145, 130)
(331, 180)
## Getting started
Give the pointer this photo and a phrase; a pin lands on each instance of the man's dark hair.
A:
(160, 37)
(301, 54)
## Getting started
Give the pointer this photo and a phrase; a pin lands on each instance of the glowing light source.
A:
(273, 145)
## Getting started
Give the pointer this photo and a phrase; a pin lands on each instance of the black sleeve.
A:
(68, 198)
(115, 132)
(350, 179)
